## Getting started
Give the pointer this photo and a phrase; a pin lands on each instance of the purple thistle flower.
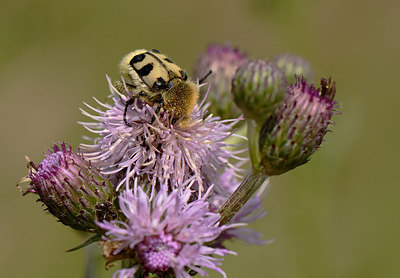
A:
(164, 234)
(72, 189)
(159, 152)
(223, 60)
(291, 135)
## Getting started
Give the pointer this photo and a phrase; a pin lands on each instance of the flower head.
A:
(223, 60)
(292, 66)
(257, 88)
(164, 234)
(72, 189)
(156, 151)
(296, 130)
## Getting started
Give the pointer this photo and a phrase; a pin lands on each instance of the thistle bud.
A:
(292, 66)
(223, 61)
(296, 129)
(72, 189)
(258, 87)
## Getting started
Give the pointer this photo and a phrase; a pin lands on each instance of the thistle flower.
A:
(160, 151)
(257, 88)
(72, 189)
(223, 60)
(292, 66)
(163, 235)
(296, 130)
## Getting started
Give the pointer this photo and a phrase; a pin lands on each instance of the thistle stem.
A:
(253, 131)
(250, 184)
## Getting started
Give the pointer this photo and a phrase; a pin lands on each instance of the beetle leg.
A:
(157, 111)
(127, 104)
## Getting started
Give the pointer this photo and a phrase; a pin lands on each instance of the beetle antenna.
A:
(205, 77)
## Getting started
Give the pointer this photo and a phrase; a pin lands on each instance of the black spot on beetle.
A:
(155, 51)
(137, 58)
(144, 71)
(160, 84)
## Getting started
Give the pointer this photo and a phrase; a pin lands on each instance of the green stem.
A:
(250, 184)
(253, 131)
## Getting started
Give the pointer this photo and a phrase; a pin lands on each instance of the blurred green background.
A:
(337, 216)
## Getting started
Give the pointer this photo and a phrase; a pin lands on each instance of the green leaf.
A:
(91, 240)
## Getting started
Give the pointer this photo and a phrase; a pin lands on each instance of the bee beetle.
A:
(155, 79)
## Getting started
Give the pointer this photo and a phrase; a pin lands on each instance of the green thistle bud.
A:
(296, 129)
(223, 61)
(72, 189)
(258, 87)
(292, 66)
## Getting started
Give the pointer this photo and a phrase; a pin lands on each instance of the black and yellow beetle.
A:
(155, 79)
